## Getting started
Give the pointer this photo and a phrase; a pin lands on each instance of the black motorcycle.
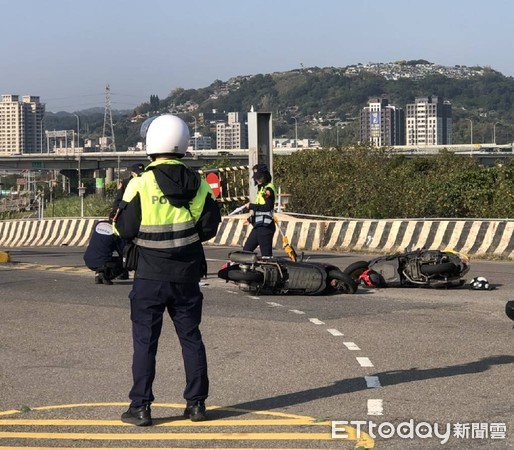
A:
(274, 276)
(423, 268)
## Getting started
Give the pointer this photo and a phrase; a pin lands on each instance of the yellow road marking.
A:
(282, 419)
(152, 448)
(158, 405)
(49, 267)
(178, 422)
(171, 436)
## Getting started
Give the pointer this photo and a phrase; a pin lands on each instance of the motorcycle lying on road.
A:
(422, 268)
(273, 276)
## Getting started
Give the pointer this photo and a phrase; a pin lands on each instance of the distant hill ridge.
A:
(327, 101)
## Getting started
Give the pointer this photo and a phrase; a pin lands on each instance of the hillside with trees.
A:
(327, 101)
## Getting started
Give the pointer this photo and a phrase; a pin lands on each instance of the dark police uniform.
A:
(135, 171)
(167, 212)
(104, 252)
(262, 221)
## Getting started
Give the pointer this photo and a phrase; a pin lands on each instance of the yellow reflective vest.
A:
(158, 213)
(263, 218)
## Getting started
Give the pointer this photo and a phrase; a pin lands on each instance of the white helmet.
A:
(166, 134)
(480, 284)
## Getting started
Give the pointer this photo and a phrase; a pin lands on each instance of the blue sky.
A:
(67, 51)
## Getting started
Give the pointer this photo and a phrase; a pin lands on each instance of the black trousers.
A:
(183, 301)
(261, 237)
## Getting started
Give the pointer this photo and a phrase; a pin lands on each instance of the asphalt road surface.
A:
(285, 371)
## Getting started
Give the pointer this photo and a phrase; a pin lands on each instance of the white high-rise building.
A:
(21, 124)
(429, 122)
(232, 135)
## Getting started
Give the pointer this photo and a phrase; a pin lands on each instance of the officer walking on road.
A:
(262, 213)
(167, 212)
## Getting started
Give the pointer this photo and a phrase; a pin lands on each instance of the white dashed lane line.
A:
(316, 321)
(274, 304)
(351, 345)
(375, 407)
(364, 361)
(335, 332)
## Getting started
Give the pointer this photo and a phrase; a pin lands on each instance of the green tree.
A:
(154, 102)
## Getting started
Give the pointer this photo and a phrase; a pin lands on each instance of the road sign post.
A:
(214, 183)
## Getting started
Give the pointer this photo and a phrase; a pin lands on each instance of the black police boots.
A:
(141, 416)
(100, 278)
(195, 412)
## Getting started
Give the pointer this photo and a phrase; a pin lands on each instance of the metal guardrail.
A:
(233, 183)
(16, 202)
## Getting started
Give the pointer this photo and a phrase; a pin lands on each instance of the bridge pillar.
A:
(73, 177)
(109, 175)
(100, 182)
(260, 144)
(70, 179)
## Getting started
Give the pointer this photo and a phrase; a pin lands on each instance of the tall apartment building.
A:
(429, 122)
(21, 124)
(232, 135)
(382, 124)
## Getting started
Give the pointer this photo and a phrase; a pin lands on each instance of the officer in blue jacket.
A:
(104, 253)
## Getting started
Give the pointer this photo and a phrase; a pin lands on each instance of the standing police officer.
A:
(168, 211)
(135, 171)
(262, 213)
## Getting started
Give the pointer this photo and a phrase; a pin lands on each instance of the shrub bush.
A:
(371, 183)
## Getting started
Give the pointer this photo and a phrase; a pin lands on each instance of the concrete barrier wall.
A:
(485, 238)
(46, 232)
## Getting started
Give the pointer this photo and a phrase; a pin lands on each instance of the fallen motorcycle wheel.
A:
(250, 276)
(344, 283)
(356, 269)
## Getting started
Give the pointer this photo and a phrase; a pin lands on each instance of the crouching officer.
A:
(167, 212)
(104, 253)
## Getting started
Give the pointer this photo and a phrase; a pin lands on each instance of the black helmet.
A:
(137, 168)
(262, 176)
(260, 168)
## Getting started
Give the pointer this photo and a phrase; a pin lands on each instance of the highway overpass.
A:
(486, 153)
